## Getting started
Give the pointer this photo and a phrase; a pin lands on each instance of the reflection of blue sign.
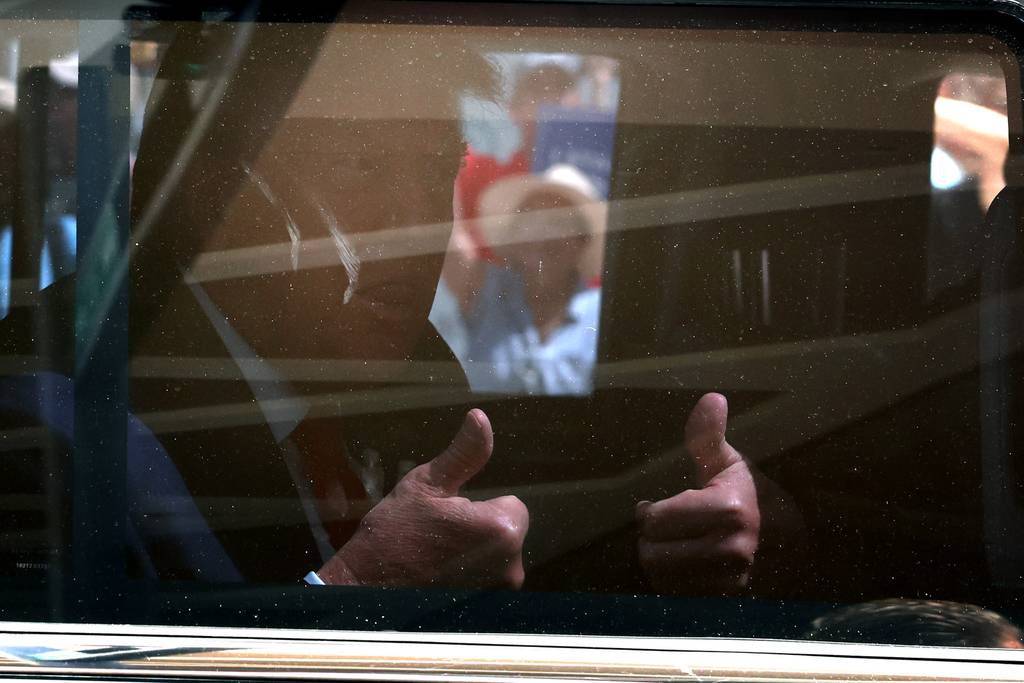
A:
(581, 137)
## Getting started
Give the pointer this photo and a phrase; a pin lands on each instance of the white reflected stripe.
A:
(319, 405)
(969, 118)
(866, 371)
(298, 370)
(744, 199)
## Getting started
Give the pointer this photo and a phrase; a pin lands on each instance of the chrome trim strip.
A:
(143, 652)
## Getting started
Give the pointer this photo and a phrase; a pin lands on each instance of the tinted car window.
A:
(610, 313)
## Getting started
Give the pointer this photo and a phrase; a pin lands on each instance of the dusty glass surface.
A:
(645, 316)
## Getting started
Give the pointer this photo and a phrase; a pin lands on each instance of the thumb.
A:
(467, 454)
(705, 438)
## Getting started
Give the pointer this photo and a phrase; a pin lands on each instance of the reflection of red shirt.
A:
(478, 172)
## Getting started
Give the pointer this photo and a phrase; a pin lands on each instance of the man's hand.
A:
(704, 539)
(424, 533)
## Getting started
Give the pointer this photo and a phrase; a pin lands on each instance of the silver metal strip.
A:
(118, 652)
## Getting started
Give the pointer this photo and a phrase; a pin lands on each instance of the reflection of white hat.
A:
(502, 201)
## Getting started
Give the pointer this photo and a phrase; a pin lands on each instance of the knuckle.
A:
(737, 552)
(404, 488)
(505, 533)
(513, 507)
(645, 523)
(734, 512)
(651, 517)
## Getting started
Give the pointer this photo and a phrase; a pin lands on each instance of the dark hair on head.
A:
(917, 622)
(546, 82)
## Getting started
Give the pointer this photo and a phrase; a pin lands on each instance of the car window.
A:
(518, 318)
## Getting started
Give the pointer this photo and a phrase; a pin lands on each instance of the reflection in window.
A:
(971, 143)
(520, 298)
(45, 190)
(638, 224)
(38, 248)
(145, 60)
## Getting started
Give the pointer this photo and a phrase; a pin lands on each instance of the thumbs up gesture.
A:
(704, 539)
(424, 533)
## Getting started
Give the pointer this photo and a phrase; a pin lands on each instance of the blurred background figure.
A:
(501, 144)
(534, 326)
(917, 622)
(971, 135)
(38, 180)
(57, 257)
(970, 148)
(558, 111)
(145, 63)
(485, 164)
(545, 84)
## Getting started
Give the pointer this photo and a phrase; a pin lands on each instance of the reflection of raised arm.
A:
(978, 137)
(424, 533)
(464, 266)
(714, 538)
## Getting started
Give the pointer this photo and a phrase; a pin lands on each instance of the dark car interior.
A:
(774, 234)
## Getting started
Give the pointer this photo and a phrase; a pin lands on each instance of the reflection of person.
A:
(57, 255)
(971, 143)
(917, 622)
(971, 129)
(533, 328)
(319, 179)
(463, 271)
